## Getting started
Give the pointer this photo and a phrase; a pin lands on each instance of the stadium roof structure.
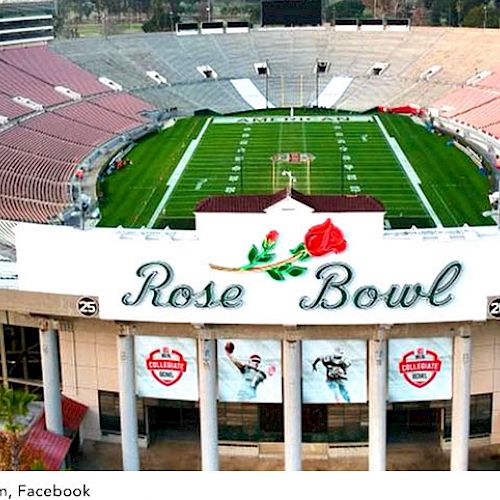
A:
(261, 202)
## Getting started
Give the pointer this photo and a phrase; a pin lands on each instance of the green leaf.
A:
(284, 268)
(299, 248)
(263, 259)
(253, 253)
(305, 256)
(296, 271)
(275, 275)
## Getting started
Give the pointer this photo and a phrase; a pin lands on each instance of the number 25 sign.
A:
(493, 307)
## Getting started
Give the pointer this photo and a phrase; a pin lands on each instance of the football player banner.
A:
(249, 371)
(334, 371)
(165, 368)
(420, 369)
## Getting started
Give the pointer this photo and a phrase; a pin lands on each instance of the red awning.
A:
(73, 413)
(53, 447)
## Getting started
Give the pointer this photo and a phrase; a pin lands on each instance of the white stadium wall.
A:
(363, 283)
(423, 287)
(89, 364)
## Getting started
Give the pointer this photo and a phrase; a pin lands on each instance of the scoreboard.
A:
(291, 12)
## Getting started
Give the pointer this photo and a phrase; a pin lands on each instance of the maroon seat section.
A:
(40, 150)
(53, 69)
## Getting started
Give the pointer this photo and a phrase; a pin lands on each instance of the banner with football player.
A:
(249, 371)
(420, 369)
(334, 371)
(166, 368)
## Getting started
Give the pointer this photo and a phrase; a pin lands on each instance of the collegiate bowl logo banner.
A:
(420, 369)
(166, 368)
(249, 371)
(166, 365)
(420, 366)
(334, 371)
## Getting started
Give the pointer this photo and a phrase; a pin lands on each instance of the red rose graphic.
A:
(272, 236)
(318, 241)
(324, 238)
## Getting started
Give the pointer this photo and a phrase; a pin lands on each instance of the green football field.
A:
(418, 176)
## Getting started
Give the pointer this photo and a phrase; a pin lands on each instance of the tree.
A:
(345, 9)
(30, 459)
(13, 406)
(165, 15)
(476, 17)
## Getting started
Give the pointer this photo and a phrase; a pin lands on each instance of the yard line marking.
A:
(410, 172)
(144, 205)
(456, 222)
(200, 183)
(177, 173)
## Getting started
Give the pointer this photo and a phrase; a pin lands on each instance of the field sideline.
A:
(349, 153)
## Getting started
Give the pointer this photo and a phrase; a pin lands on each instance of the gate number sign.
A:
(494, 307)
(87, 306)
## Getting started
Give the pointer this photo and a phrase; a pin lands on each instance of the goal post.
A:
(292, 169)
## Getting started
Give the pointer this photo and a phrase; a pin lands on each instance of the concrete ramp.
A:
(251, 94)
(334, 91)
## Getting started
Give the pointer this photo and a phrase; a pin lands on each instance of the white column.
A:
(292, 368)
(461, 401)
(209, 433)
(51, 379)
(377, 404)
(128, 408)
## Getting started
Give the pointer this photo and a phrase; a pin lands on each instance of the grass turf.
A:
(236, 158)
(130, 196)
(451, 181)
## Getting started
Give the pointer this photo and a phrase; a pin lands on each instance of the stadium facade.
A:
(275, 305)
(285, 318)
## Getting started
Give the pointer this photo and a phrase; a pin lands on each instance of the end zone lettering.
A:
(53, 491)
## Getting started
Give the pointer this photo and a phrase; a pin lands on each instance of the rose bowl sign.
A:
(420, 367)
(326, 283)
(279, 267)
(167, 366)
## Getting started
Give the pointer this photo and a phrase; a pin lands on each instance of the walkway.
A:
(185, 455)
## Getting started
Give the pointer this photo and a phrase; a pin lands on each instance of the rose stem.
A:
(264, 267)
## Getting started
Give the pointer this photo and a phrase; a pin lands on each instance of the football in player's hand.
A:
(229, 347)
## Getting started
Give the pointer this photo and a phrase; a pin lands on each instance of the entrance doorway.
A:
(314, 419)
(413, 422)
(180, 422)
